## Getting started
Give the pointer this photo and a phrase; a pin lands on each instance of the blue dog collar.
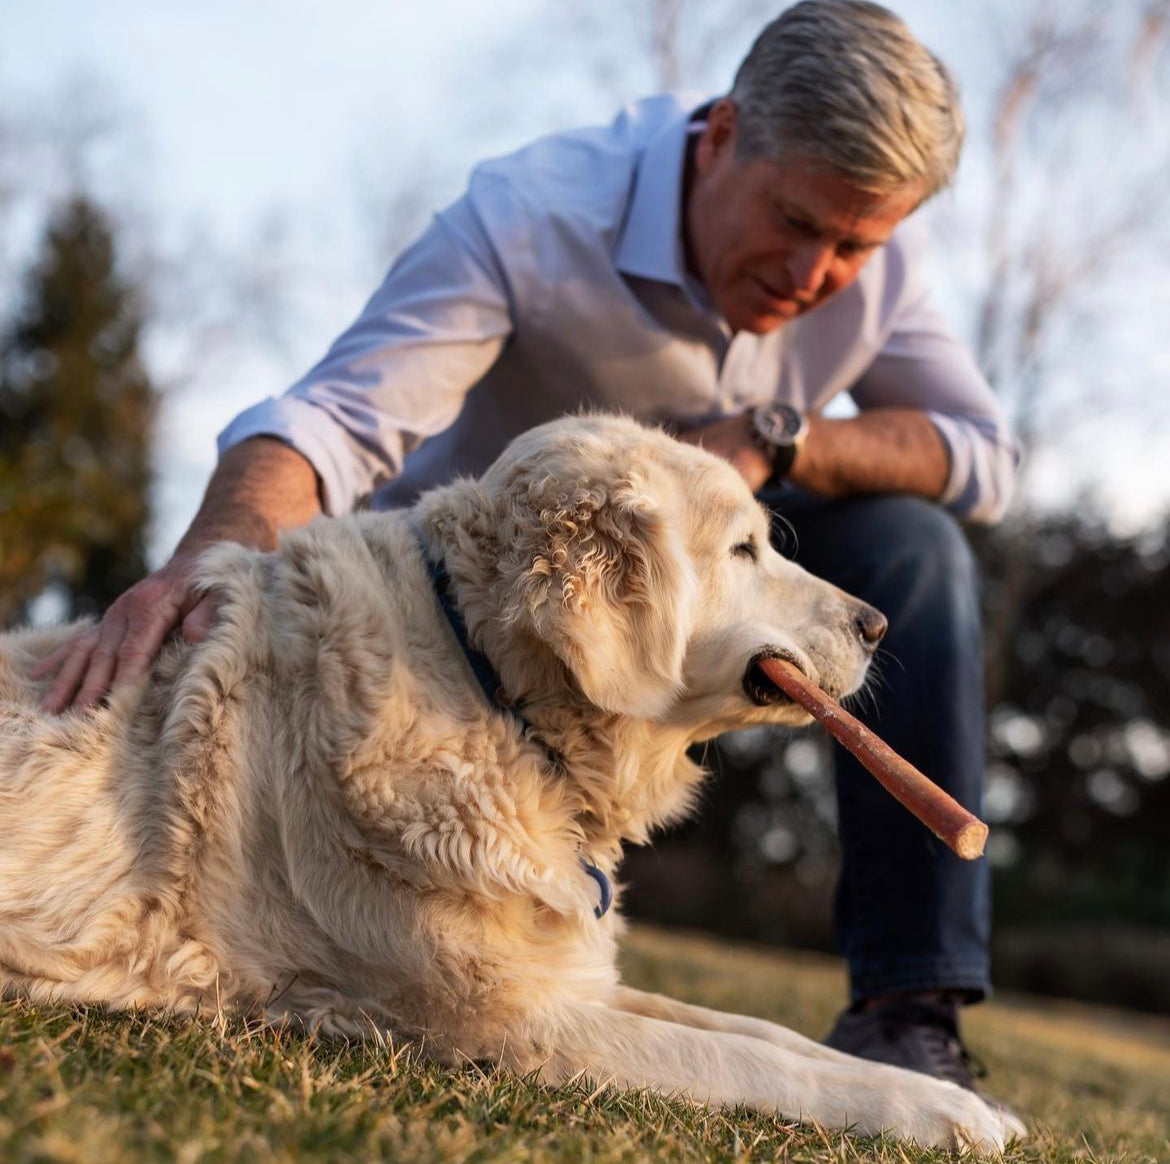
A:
(603, 884)
(490, 684)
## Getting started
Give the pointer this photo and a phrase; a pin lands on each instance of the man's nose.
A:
(808, 268)
(871, 625)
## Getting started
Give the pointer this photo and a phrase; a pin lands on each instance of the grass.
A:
(84, 1085)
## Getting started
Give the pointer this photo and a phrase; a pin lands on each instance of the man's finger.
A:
(103, 662)
(200, 619)
(73, 659)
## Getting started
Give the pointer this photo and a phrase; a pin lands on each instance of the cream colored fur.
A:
(315, 815)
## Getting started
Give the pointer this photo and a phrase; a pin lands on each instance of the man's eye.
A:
(745, 550)
(852, 250)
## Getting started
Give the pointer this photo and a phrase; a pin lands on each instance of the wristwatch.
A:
(779, 431)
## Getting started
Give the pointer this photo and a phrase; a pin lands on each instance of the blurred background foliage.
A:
(1065, 213)
(1078, 789)
(76, 421)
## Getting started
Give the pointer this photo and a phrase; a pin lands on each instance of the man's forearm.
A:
(884, 450)
(259, 488)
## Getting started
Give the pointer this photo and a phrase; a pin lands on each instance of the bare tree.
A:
(613, 49)
(663, 45)
(1076, 210)
(1069, 173)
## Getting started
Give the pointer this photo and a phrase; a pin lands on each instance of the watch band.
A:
(782, 458)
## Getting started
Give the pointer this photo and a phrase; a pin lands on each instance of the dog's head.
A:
(592, 561)
(645, 565)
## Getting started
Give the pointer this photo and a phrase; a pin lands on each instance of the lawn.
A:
(1093, 1085)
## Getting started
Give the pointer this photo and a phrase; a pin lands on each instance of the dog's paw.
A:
(915, 1107)
(956, 1118)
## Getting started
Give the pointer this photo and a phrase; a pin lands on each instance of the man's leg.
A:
(912, 918)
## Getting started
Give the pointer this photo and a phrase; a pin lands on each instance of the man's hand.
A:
(123, 645)
(259, 488)
(731, 439)
(882, 450)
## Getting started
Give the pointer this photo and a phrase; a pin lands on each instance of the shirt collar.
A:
(650, 246)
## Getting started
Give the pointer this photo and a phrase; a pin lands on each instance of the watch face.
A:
(778, 424)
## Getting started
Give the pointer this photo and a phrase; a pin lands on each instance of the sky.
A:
(250, 103)
(279, 137)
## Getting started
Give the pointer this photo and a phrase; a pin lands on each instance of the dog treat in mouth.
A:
(957, 828)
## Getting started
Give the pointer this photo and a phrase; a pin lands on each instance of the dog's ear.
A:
(600, 574)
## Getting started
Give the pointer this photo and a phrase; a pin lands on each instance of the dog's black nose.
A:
(871, 625)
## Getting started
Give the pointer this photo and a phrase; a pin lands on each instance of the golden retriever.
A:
(316, 814)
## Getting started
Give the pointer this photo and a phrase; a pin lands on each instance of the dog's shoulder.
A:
(349, 610)
(347, 648)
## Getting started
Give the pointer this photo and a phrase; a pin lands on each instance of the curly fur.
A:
(315, 815)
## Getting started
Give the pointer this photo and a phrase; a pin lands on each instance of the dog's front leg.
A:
(727, 1068)
(703, 1018)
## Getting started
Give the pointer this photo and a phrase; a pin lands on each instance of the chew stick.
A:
(960, 830)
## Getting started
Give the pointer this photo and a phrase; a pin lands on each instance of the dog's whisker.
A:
(884, 658)
(783, 533)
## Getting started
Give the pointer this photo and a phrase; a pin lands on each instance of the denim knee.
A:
(918, 558)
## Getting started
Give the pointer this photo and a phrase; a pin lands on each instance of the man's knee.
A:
(917, 555)
(926, 534)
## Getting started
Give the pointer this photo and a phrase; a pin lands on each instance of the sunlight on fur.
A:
(316, 815)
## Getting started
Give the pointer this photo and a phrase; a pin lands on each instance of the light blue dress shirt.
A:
(558, 282)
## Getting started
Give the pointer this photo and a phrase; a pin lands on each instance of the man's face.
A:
(771, 241)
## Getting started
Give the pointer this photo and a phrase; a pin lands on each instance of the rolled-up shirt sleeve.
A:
(401, 372)
(924, 365)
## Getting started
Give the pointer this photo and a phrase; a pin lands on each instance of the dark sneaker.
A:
(920, 1034)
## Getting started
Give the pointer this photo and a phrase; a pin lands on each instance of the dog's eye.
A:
(745, 550)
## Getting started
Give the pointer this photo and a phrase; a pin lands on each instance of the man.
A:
(727, 269)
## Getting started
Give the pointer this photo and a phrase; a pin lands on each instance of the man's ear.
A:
(719, 134)
(602, 578)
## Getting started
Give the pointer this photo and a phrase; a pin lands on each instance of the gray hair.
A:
(845, 82)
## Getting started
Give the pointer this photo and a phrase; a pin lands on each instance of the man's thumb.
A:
(200, 619)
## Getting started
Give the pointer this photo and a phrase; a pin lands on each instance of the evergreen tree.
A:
(76, 422)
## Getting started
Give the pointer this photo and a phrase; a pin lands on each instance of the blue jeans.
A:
(910, 915)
